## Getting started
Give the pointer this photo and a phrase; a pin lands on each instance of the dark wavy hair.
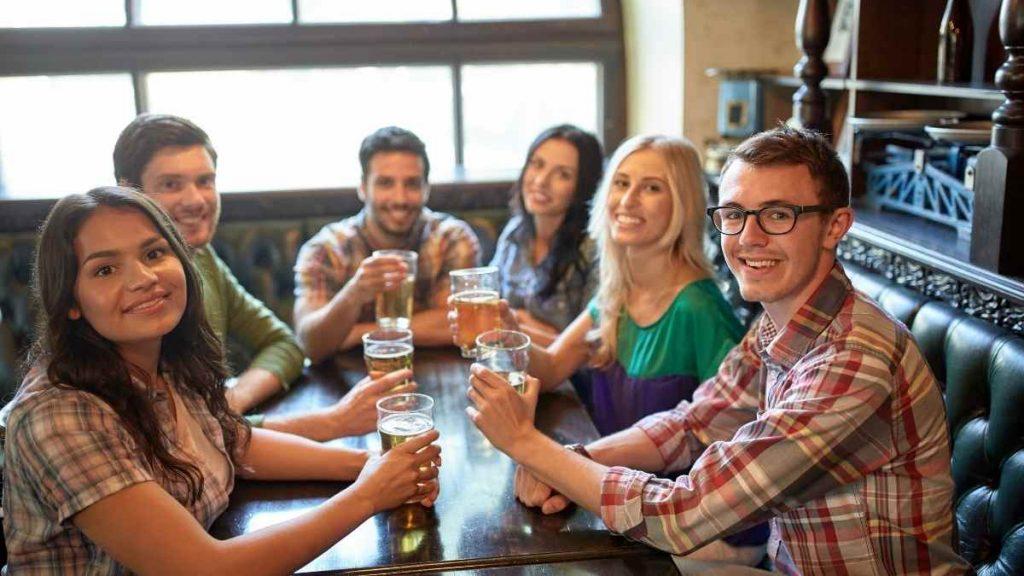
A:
(392, 139)
(77, 357)
(566, 246)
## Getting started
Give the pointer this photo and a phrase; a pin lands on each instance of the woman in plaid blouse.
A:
(121, 449)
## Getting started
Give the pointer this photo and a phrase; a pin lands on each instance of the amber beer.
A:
(387, 351)
(394, 306)
(403, 416)
(398, 428)
(516, 379)
(476, 312)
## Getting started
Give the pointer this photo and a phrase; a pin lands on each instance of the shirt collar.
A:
(787, 346)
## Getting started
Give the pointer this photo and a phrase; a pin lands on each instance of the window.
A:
(288, 88)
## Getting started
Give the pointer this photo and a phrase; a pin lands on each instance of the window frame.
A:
(138, 50)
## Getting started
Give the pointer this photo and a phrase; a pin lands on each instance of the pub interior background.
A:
(287, 88)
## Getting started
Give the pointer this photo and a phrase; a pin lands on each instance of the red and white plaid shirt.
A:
(834, 428)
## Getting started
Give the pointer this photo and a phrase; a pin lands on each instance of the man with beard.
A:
(337, 278)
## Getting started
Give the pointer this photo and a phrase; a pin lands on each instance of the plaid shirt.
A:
(328, 260)
(835, 427)
(66, 450)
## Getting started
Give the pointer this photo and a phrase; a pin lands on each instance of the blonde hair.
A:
(684, 238)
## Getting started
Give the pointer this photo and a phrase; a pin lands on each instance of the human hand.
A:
(406, 473)
(503, 415)
(509, 316)
(532, 492)
(356, 413)
(376, 274)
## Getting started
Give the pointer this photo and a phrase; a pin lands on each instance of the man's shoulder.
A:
(447, 225)
(336, 234)
(862, 326)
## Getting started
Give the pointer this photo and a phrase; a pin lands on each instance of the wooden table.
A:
(476, 525)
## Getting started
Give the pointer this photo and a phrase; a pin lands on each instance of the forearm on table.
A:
(252, 387)
(314, 424)
(631, 448)
(274, 455)
(323, 329)
(549, 461)
(430, 328)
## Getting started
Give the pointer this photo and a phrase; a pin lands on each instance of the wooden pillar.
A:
(812, 32)
(998, 222)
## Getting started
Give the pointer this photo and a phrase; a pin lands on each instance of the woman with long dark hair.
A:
(545, 258)
(121, 449)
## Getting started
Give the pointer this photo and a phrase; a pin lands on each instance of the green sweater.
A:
(234, 312)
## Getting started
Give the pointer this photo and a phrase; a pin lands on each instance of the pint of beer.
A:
(403, 416)
(394, 306)
(507, 353)
(475, 293)
(388, 351)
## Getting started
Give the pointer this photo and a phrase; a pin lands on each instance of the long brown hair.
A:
(76, 356)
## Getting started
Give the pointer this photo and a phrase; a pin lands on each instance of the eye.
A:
(653, 187)
(620, 183)
(779, 214)
(102, 271)
(207, 181)
(169, 186)
(565, 175)
(156, 253)
(730, 214)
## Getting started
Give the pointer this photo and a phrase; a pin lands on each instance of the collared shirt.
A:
(521, 279)
(67, 449)
(834, 426)
(328, 260)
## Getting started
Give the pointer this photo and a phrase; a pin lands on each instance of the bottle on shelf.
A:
(956, 42)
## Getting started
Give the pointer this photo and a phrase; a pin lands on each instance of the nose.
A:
(192, 196)
(631, 196)
(140, 276)
(752, 234)
(540, 177)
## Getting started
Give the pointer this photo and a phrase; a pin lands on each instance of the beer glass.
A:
(475, 292)
(394, 306)
(388, 351)
(507, 353)
(403, 416)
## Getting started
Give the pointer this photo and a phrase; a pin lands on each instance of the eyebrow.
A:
(111, 253)
(762, 205)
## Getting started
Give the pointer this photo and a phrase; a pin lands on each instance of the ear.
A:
(74, 313)
(361, 191)
(839, 223)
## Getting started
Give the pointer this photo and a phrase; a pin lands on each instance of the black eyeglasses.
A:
(775, 220)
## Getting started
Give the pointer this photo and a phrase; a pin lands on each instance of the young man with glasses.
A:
(825, 419)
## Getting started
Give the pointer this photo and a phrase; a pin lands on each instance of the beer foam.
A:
(406, 424)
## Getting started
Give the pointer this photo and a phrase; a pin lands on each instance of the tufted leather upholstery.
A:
(982, 370)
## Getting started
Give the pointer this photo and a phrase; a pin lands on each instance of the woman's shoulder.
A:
(39, 401)
(703, 304)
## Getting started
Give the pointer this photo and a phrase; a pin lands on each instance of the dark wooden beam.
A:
(812, 33)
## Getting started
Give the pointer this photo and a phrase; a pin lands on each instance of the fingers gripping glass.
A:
(776, 219)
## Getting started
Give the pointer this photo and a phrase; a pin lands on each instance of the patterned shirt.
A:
(328, 260)
(521, 279)
(833, 426)
(66, 450)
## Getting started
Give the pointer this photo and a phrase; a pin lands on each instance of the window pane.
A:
(289, 129)
(60, 13)
(378, 11)
(57, 132)
(199, 12)
(506, 106)
(528, 9)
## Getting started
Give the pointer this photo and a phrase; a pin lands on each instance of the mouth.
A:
(147, 306)
(538, 197)
(628, 220)
(760, 263)
(191, 220)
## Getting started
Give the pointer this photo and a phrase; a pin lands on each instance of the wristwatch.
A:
(579, 449)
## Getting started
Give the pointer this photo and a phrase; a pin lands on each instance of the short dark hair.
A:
(392, 139)
(146, 135)
(788, 146)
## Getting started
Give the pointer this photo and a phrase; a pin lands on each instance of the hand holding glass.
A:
(394, 305)
(403, 416)
(506, 353)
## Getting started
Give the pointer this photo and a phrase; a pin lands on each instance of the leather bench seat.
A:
(981, 368)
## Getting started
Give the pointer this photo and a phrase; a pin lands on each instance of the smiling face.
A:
(640, 200)
(780, 271)
(130, 285)
(395, 190)
(549, 179)
(183, 180)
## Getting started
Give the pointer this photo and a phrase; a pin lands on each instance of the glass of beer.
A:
(394, 306)
(388, 351)
(475, 292)
(507, 353)
(403, 416)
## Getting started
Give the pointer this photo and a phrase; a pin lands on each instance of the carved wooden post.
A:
(998, 222)
(812, 32)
